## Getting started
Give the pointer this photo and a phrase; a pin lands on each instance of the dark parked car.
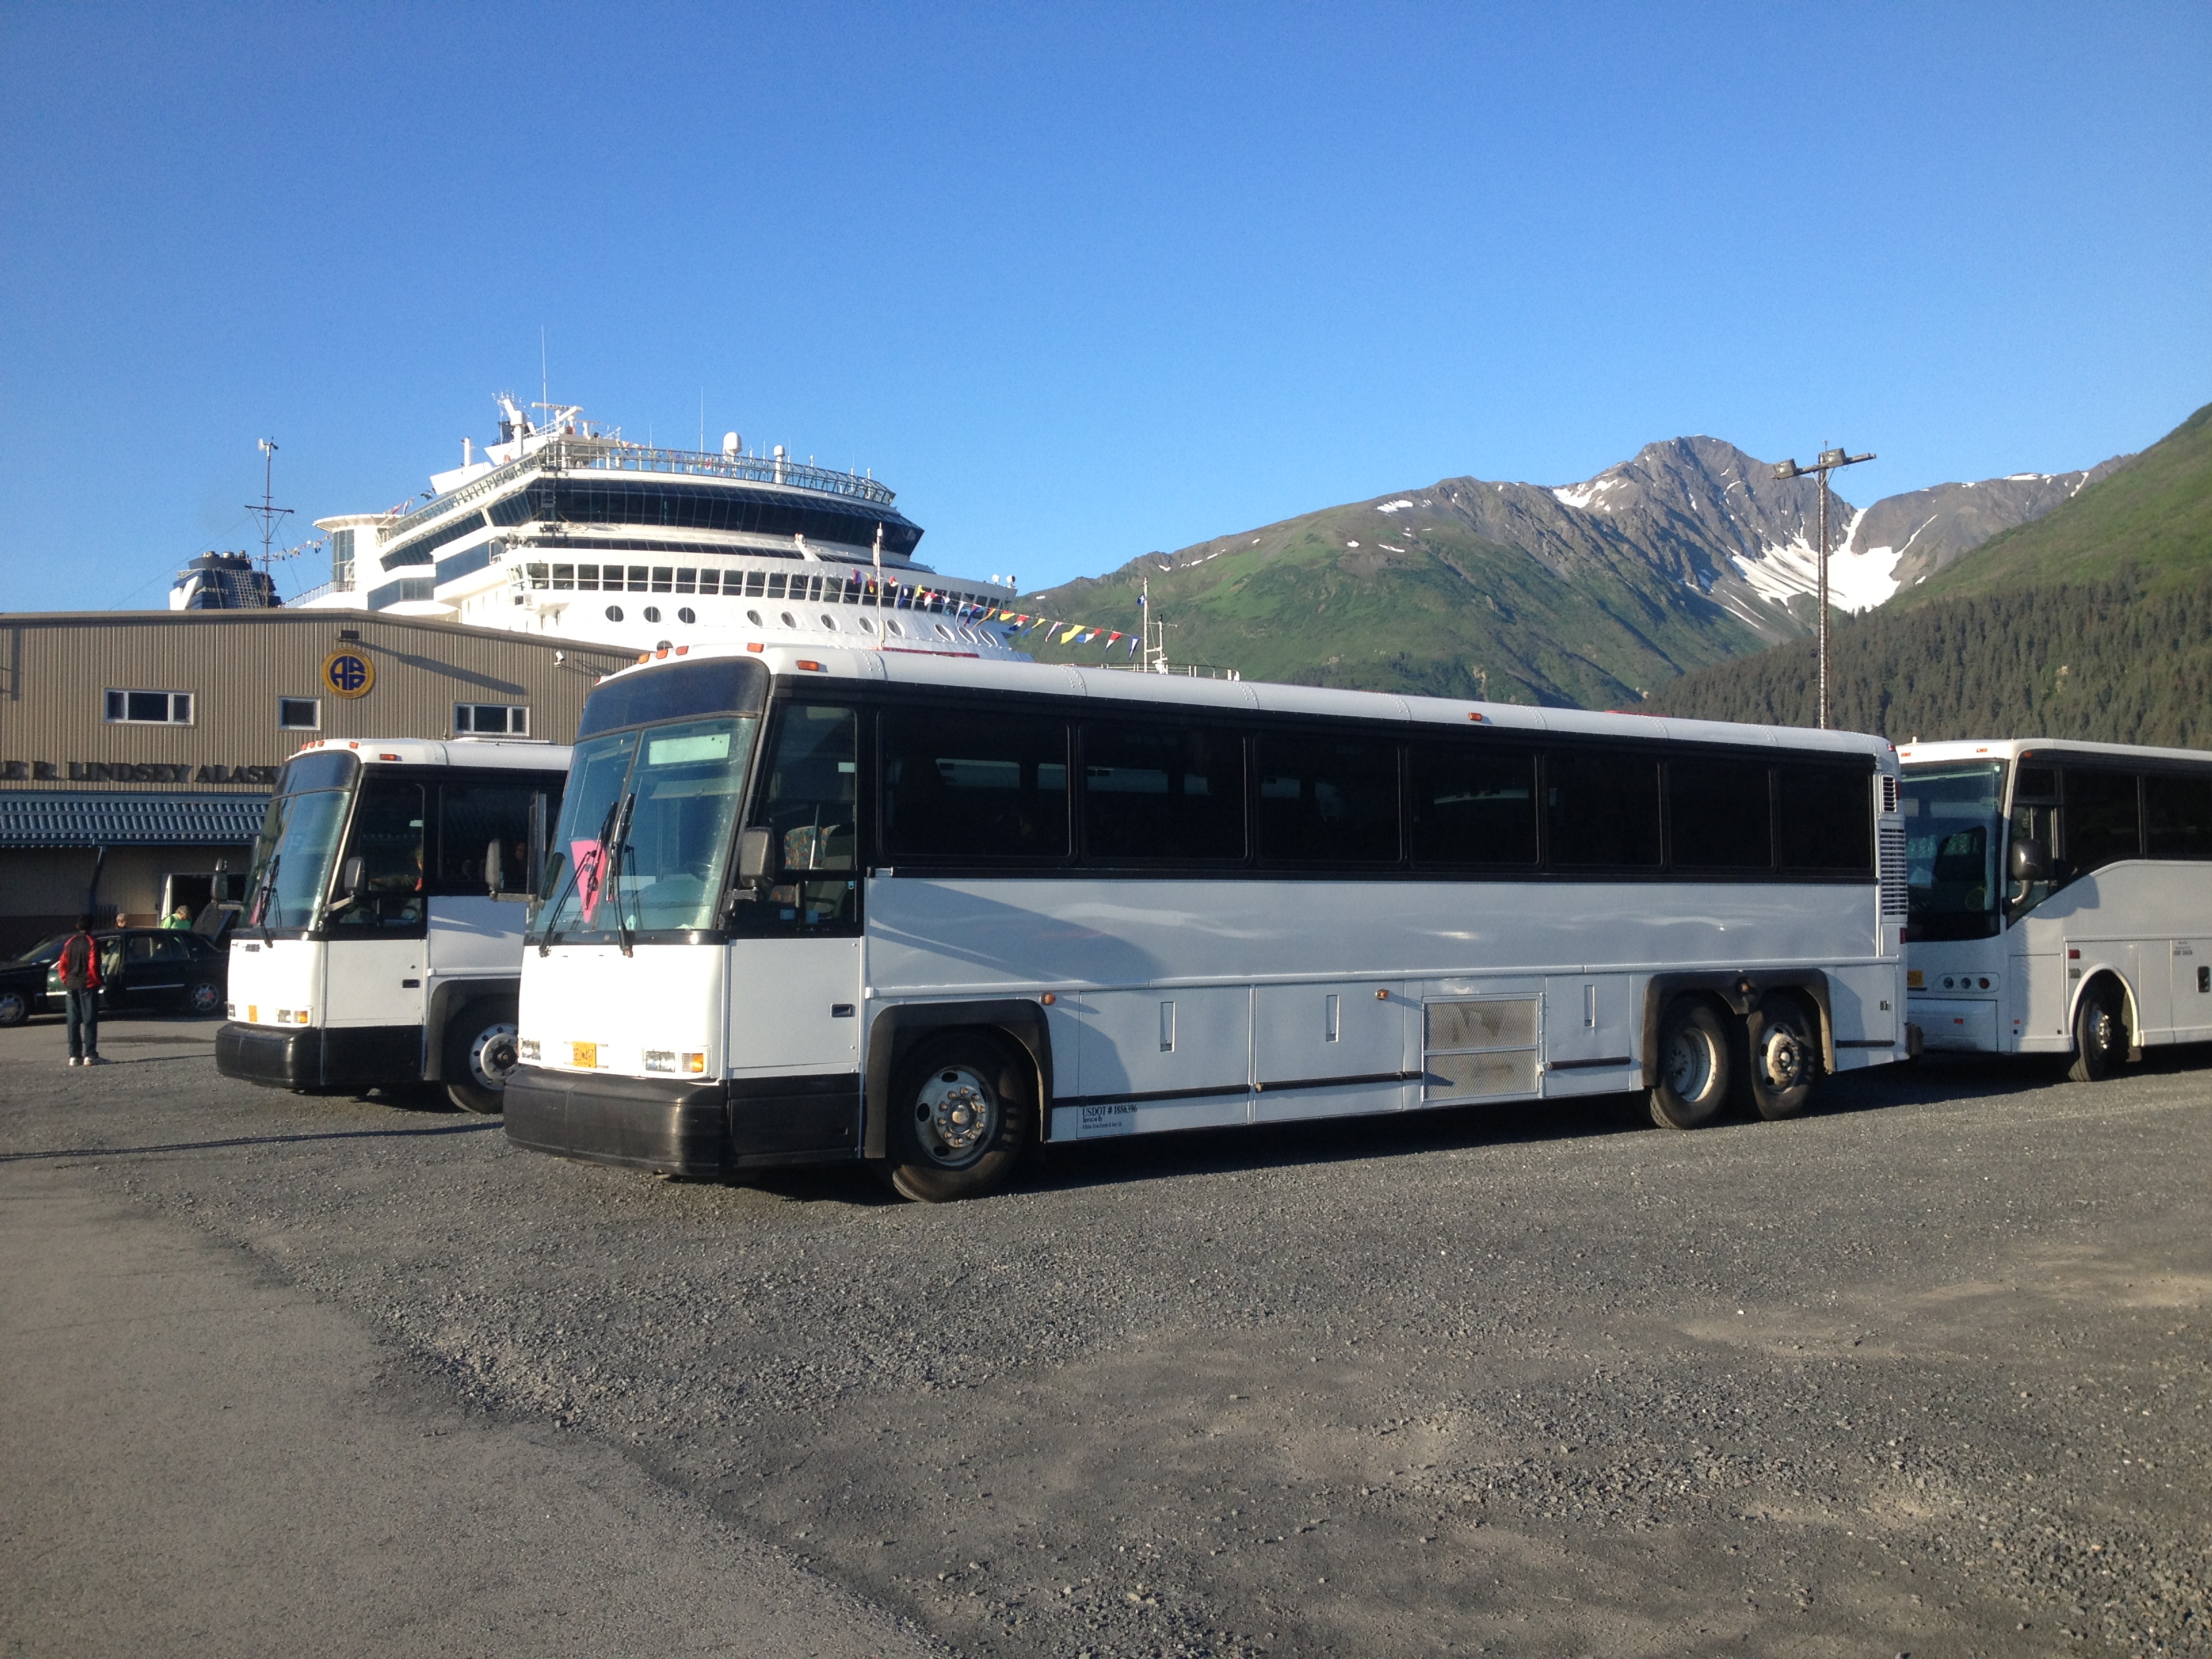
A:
(141, 970)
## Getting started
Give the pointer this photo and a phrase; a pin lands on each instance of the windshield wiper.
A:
(612, 862)
(551, 936)
(261, 896)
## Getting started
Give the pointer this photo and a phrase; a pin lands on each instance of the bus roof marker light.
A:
(811, 665)
(1473, 715)
(1047, 998)
(755, 645)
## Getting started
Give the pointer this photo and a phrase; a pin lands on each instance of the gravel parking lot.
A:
(1926, 1372)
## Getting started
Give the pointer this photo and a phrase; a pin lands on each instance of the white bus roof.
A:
(951, 670)
(2005, 749)
(493, 754)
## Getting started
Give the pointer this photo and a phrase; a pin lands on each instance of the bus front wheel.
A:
(479, 1054)
(959, 1119)
(2100, 1033)
(1693, 1066)
(1783, 1063)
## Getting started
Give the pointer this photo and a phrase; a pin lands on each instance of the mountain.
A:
(2152, 515)
(2094, 621)
(1589, 594)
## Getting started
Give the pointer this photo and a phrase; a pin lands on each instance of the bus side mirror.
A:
(350, 878)
(753, 857)
(2031, 859)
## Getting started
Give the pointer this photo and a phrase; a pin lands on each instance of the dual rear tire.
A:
(1768, 1064)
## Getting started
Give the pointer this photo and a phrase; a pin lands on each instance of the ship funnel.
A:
(732, 444)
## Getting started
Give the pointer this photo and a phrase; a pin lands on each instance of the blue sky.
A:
(1077, 282)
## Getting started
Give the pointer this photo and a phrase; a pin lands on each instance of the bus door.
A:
(375, 921)
(795, 976)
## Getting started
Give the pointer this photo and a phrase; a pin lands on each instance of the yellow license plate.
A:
(1915, 980)
(584, 1053)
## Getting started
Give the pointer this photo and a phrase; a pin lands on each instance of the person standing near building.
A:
(181, 917)
(79, 967)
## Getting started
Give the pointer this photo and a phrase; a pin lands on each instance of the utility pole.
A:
(1829, 461)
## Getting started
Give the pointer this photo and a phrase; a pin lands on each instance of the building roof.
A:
(103, 819)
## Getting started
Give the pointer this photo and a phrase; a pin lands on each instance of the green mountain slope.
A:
(2153, 516)
(2109, 662)
(1443, 613)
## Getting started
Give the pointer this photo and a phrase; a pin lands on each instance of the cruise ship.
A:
(562, 528)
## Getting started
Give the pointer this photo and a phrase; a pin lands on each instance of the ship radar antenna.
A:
(270, 515)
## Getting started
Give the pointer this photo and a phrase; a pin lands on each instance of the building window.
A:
(300, 714)
(342, 560)
(150, 707)
(491, 718)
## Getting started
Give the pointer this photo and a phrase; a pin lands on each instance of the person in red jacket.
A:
(79, 967)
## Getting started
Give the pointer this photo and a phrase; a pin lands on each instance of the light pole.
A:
(1829, 461)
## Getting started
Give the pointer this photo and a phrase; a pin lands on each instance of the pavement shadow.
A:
(475, 1127)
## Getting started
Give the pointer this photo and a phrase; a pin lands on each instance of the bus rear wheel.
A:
(479, 1054)
(2100, 1033)
(1693, 1066)
(960, 1114)
(1784, 1065)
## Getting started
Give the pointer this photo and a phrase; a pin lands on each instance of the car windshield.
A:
(669, 795)
(1952, 844)
(292, 858)
(46, 949)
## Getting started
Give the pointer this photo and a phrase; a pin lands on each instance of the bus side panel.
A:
(1863, 1001)
(2192, 980)
(1335, 1048)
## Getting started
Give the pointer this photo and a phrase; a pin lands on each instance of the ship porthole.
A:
(753, 617)
(829, 621)
(942, 632)
(652, 613)
(614, 613)
(790, 620)
(687, 614)
(867, 627)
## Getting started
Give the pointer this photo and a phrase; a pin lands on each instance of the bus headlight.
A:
(694, 1064)
(660, 1060)
(527, 1047)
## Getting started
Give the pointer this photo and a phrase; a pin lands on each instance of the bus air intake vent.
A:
(1892, 870)
(1475, 1049)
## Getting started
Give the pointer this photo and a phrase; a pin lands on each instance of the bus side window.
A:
(974, 786)
(1827, 815)
(388, 838)
(470, 816)
(1473, 805)
(1161, 794)
(2100, 820)
(810, 803)
(2178, 814)
(1602, 810)
(1718, 817)
(1325, 801)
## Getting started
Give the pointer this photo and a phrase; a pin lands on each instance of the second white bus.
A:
(925, 912)
(2061, 898)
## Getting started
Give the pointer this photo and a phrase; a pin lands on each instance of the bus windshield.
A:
(1953, 839)
(645, 829)
(299, 839)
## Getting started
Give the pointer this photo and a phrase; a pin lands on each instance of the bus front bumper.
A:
(683, 1129)
(318, 1057)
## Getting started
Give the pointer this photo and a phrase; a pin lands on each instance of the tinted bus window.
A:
(971, 786)
(1827, 815)
(470, 816)
(1472, 805)
(1327, 802)
(810, 802)
(1161, 794)
(2178, 816)
(2100, 820)
(1602, 810)
(1717, 815)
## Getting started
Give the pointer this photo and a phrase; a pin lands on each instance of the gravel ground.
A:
(1925, 1372)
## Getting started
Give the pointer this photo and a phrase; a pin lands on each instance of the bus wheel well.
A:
(1015, 1023)
(1734, 996)
(2103, 1028)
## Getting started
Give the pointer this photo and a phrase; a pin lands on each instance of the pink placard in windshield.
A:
(586, 856)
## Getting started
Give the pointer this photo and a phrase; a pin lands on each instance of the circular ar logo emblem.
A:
(349, 673)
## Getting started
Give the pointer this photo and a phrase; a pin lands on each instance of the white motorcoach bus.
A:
(2061, 898)
(923, 911)
(380, 941)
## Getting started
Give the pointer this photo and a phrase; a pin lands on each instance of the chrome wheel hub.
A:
(1783, 1058)
(492, 1056)
(956, 1113)
(1689, 1065)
